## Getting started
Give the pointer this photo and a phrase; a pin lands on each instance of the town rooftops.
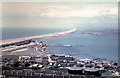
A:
(91, 70)
(75, 68)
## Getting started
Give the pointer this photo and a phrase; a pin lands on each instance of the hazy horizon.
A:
(60, 15)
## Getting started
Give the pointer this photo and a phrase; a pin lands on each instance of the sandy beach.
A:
(40, 36)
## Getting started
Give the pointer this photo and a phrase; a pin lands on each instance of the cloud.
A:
(57, 15)
(59, 9)
(79, 12)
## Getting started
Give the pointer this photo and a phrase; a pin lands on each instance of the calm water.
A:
(10, 33)
(83, 46)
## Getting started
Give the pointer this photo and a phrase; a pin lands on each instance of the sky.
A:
(60, 0)
(59, 14)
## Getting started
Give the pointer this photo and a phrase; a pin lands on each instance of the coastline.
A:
(39, 36)
(50, 63)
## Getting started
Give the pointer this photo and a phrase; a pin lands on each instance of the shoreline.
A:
(56, 63)
(39, 36)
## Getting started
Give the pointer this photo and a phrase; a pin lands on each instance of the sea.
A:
(84, 45)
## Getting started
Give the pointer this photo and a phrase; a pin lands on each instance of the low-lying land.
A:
(29, 58)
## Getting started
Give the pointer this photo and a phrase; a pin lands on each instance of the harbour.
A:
(39, 62)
